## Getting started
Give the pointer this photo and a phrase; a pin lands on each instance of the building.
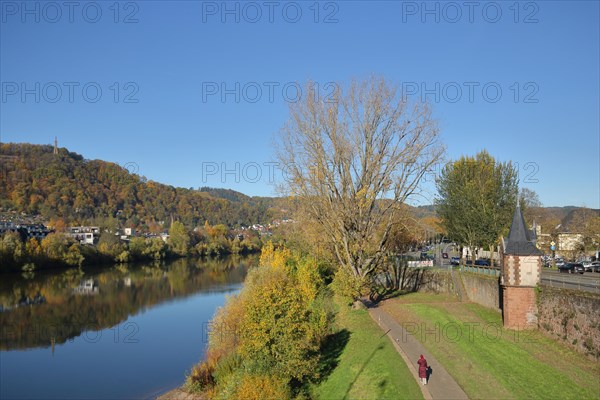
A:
(27, 231)
(126, 233)
(521, 274)
(84, 234)
(570, 241)
(37, 231)
(7, 226)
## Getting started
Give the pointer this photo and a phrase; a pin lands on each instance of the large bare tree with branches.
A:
(353, 161)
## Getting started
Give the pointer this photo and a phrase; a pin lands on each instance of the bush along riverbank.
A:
(265, 343)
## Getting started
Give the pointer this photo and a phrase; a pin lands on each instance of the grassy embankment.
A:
(365, 363)
(491, 362)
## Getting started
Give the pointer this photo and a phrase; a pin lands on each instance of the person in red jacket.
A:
(422, 369)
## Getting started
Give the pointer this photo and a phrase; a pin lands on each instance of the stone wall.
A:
(425, 280)
(572, 317)
(482, 289)
(569, 316)
(436, 281)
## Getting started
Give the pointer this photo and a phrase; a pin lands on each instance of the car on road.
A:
(455, 261)
(572, 268)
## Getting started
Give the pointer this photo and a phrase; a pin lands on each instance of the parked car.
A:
(560, 263)
(596, 266)
(572, 268)
(482, 262)
(587, 265)
(455, 261)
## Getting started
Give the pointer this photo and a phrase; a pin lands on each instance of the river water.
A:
(127, 331)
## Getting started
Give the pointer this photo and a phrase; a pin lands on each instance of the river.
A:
(126, 331)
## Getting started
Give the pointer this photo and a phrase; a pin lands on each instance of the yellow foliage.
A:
(224, 327)
(262, 387)
(348, 285)
(201, 376)
(279, 327)
(275, 324)
(274, 258)
(308, 279)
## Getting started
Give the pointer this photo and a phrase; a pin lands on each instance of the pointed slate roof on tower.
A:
(520, 241)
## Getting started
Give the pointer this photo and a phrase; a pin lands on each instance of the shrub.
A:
(274, 258)
(201, 377)
(262, 387)
(280, 332)
(270, 333)
(124, 257)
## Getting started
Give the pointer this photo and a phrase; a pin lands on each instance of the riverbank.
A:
(358, 361)
(180, 394)
(114, 332)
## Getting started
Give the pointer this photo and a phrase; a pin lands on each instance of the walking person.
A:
(422, 369)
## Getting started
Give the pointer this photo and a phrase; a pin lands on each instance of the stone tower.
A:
(55, 145)
(521, 273)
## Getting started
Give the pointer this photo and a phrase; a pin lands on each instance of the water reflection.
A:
(49, 309)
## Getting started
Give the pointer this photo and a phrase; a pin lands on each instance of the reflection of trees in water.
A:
(122, 291)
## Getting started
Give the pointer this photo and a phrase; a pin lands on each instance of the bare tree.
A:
(353, 161)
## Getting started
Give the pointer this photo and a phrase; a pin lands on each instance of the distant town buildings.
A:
(126, 233)
(570, 241)
(266, 229)
(84, 234)
(27, 231)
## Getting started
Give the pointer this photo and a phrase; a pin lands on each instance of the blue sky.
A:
(520, 81)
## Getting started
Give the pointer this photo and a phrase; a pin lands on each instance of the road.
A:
(589, 281)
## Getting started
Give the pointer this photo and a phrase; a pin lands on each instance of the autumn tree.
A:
(343, 158)
(531, 206)
(529, 199)
(477, 197)
(11, 249)
(586, 222)
(55, 246)
(179, 239)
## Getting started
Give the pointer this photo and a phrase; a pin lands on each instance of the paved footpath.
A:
(441, 385)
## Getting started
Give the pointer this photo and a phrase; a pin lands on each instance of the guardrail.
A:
(481, 269)
(566, 283)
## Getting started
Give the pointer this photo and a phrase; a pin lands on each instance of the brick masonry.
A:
(520, 307)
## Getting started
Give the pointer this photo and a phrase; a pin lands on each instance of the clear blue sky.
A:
(543, 56)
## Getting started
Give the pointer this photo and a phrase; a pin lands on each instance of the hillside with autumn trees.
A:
(66, 188)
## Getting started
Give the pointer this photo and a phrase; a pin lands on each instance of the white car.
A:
(587, 265)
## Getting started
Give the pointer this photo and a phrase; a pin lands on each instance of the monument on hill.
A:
(521, 273)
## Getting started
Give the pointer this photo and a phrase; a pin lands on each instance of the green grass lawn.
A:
(363, 362)
(490, 362)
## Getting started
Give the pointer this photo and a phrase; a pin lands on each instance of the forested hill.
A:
(68, 187)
